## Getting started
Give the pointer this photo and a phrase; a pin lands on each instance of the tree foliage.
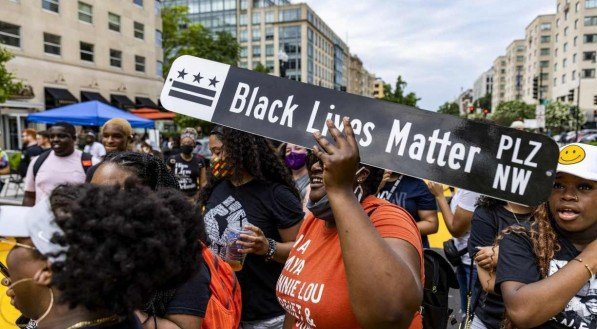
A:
(558, 117)
(508, 112)
(450, 108)
(483, 102)
(261, 68)
(397, 95)
(8, 86)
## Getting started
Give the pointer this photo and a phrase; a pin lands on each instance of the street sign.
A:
(500, 162)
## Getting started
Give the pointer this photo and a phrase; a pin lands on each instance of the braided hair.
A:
(253, 154)
(150, 170)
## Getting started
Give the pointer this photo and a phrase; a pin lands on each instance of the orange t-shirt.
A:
(313, 288)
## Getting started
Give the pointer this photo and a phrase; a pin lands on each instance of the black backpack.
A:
(86, 161)
(439, 278)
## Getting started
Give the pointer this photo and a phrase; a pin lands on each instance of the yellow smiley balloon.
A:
(571, 154)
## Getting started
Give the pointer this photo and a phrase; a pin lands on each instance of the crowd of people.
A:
(125, 233)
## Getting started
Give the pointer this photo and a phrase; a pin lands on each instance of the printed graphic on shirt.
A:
(581, 311)
(229, 213)
(184, 175)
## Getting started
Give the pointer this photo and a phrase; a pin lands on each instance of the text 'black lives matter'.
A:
(496, 161)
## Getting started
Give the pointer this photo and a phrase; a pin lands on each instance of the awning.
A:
(60, 96)
(145, 102)
(121, 101)
(153, 114)
(93, 96)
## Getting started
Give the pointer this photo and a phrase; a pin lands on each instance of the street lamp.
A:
(283, 59)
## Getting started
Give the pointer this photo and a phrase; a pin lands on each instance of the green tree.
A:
(483, 102)
(507, 112)
(558, 117)
(261, 68)
(450, 108)
(8, 86)
(397, 95)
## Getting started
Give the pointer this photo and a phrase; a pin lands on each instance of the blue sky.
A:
(438, 46)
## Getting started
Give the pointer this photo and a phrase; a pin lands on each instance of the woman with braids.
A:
(547, 269)
(250, 188)
(358, 260)
(490, 218)
(88, 256)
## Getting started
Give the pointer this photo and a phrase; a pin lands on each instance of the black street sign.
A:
(496, 161)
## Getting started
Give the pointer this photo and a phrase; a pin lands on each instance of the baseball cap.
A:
(36, 223)
(579, 160)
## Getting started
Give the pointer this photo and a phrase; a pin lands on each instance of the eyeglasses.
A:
(5, 281)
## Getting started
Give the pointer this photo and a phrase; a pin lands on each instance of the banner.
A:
(496, 161)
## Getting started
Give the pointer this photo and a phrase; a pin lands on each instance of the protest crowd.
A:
(233, 230)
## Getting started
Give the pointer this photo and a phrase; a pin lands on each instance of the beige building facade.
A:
(515, 77)
(71, 51)
(499, 82)
(360, 81)
(378, 88)
(575, 54)
(539, 36)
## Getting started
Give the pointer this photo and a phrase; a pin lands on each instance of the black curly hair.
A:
(124, 244)
(253, 154)
(489, 202)
(149, 169)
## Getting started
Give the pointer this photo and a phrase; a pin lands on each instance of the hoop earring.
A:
(358, 191)
(43, 316)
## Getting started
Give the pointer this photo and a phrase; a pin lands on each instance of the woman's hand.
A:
(340, 161)
(436, 189)
(384, 179)
(254, 243)
(486, 257)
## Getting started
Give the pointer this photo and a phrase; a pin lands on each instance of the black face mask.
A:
(186, 149)
(321, 209)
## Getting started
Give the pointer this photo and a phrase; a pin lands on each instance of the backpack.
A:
(439, 278)
(86, 161)
(225, 303)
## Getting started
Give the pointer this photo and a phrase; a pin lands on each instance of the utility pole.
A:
(578, 108)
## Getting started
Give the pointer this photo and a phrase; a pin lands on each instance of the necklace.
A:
(84, 324)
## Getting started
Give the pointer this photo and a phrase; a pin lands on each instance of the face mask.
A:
(186, 149)
(12, 286)
(322, 209)
(220, 168)
(295, 160)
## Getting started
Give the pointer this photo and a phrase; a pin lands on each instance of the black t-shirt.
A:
(186, 172)
(268, 206)
(28, 153)
(487, 223)
(192, 297)
(131, 322)
(517, 263)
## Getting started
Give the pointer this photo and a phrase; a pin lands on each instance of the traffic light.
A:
(535, 87)
(595, 100)
(571, 95)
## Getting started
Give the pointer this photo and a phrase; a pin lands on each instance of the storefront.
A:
(13, 119)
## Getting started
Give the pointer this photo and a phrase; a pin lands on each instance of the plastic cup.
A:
(231, 255)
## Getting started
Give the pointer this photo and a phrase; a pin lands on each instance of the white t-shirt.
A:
(55, 171)
(97, 150)
(466, 200)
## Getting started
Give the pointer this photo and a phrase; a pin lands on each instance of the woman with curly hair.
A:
(88, 256)
(250, 188)
(545, 269)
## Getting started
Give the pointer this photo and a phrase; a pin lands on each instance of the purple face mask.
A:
(295, 160)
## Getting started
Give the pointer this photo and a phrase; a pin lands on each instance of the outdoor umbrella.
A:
(92, 113)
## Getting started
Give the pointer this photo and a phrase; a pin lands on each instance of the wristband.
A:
(272, 249)
(586, 266)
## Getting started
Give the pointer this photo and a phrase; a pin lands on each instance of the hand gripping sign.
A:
(500, 162)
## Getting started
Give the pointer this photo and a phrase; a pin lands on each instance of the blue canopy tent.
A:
(92, 113)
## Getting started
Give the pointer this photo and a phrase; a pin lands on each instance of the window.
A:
(574, 58)
(565, 48)
(290, 15)
(269, 16)
(51, 44)
(590, 20)
(269, 50)
(243, 37)
(158, 38)
(555, 67)
(156, 7)
(556, 52)
(573, 77)
(114, 22)
(589, 56)
(115, 58)
(244, 4)
(574, 41)
(544, 51)
(545, 26)
(242, 19)
(256, 34)
(591, 4)
(242, 65)
(138, 2)
(555, 81)
(269, 33)
(563, 78)
(139, 30)
(545, 38)
(558, 22)
(590, 38)
(256, 18)
(256, 50)
(10, 34)
(86, 51)
(544, 64)
(243, 51)
(139, 63)
(270, 65)
(519, 58)
(557, 37)
(159, 68)
(564, 63)
(51, 5)
(85, 12)
(566, 31)
(588, 74)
